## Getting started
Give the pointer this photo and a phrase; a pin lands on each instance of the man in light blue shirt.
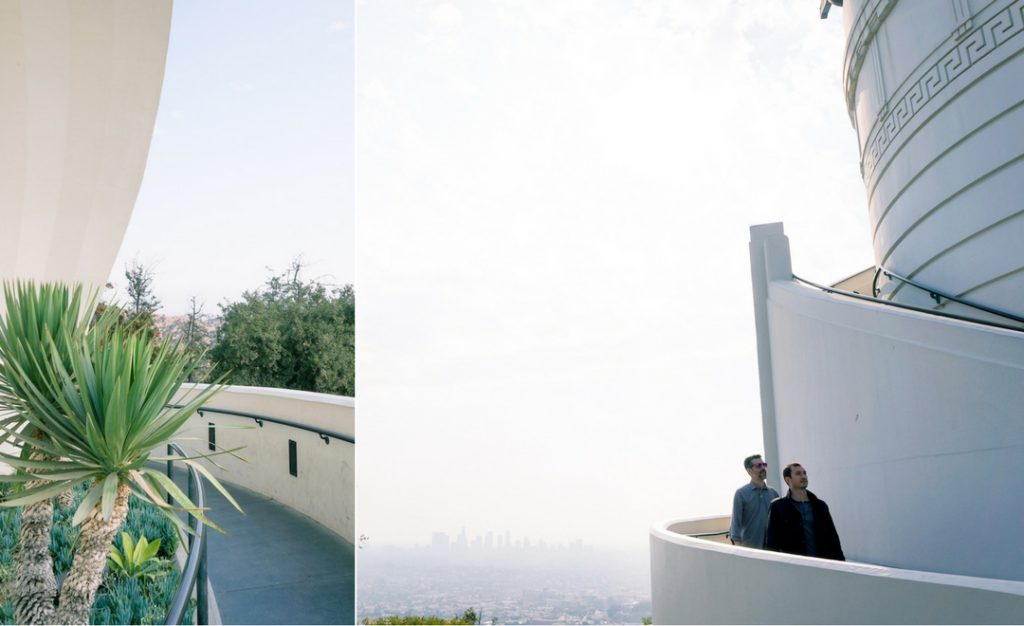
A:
(750, 505)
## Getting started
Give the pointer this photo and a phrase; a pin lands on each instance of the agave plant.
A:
(136, 559)
(96, 407)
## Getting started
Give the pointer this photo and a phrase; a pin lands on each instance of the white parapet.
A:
(936, 94)
(699, 581)
(324, 485)
(908, 423)
(80, 85)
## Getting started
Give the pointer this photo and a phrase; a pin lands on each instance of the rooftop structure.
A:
(900, 392)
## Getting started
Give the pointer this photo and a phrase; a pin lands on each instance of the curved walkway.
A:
(275, 565)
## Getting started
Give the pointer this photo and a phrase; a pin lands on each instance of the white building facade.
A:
(81, 86)
(910, 423)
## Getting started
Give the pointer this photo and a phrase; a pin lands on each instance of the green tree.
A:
(140, 312)
(126, 321)
(140, 289)
(193, 334)
(291, 334)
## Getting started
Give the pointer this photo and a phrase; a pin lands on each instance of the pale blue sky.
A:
(251, 164)
(556, 333)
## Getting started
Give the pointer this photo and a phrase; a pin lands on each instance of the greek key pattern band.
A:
(973, 47)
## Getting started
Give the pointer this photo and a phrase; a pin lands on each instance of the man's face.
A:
(758, 469)
(797, 478)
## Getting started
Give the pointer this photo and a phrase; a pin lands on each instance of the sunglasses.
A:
(758, 465)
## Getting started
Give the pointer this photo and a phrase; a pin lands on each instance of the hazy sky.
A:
(555, 317)
(251, 163)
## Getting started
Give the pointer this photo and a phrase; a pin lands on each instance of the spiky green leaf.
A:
(88, 504)
(37, 494)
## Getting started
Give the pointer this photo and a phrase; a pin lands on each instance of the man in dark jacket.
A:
(800, 523)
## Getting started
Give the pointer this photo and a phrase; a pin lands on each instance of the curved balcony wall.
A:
(323, 488)
(936, 94)
(700, 581)
(909, 424)
(81, 84)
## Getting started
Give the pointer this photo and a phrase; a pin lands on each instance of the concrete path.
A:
(275, 565)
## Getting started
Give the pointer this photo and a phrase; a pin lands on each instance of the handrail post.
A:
(170, 470)
(195, 565)
(192, 521)
(202, 601)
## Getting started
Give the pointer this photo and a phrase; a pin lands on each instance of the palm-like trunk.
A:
(79, 589)
(66, 500)
(35, 587)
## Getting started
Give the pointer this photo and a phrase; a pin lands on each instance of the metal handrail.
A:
(194, 574)
(325, 434)
(938, 295)
(716, 533)
(909, 307)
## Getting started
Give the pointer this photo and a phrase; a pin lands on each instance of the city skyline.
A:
(518, 586)
(441, 540)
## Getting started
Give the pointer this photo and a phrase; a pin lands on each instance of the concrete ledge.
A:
(699, 581)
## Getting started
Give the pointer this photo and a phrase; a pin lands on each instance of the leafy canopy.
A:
(292, 334)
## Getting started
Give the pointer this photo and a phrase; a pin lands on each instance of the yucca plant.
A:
(97, 408)
(38, 323)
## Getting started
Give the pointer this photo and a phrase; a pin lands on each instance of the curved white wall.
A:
(703, 582)
(325, 486)
(909, 425)
(81, 84)
(936, 94)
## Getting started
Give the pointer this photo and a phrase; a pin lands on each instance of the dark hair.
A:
(788, 470)
(749, 461)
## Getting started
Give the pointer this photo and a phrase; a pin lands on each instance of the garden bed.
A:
(120, 599)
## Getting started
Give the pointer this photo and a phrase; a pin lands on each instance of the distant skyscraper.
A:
(439, 542)
(489, 541)
(461, 542)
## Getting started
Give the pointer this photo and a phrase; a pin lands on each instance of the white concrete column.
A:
(769, 260)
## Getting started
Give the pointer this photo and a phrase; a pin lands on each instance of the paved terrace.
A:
(275, 565)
